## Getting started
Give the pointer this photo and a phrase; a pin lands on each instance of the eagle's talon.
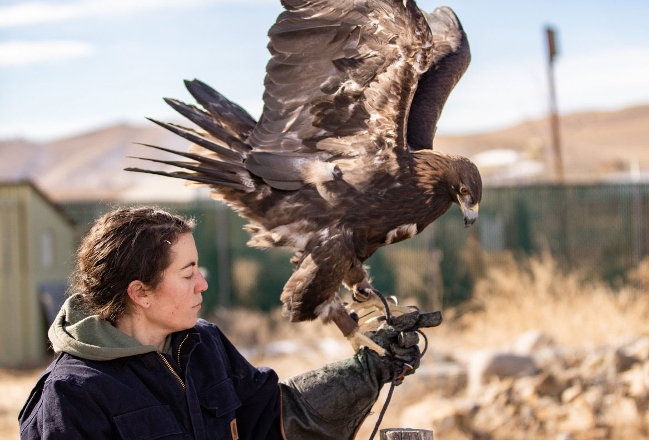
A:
(362, 294)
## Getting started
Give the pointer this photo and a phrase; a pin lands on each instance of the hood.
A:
(90, 337)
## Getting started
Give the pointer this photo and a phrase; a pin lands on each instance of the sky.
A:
(72, 66)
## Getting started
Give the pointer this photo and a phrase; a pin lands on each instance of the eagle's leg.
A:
(371, 306)
(358, 339)
(312, 290)
(349, 327)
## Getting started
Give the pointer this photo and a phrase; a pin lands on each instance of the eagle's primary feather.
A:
(341, 161)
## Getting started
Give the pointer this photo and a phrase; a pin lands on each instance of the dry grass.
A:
(245, 273)
(516, 296)
(511, 298)
(640, 276)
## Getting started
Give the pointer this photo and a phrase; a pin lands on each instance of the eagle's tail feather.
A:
(204, 160)
(191, 177)
(212, 124)
(199, 139)
(226, 127)
(215, 173)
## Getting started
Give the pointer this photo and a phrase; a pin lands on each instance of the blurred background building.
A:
(37, 240)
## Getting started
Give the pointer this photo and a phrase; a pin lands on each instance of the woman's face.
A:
(175, 302)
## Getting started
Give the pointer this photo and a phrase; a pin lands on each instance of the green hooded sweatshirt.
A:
(90, 337)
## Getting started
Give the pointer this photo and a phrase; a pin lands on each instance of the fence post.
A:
(406, 434)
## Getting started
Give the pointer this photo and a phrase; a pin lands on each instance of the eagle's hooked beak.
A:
(470, 212)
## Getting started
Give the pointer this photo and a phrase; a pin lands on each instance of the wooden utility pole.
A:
(554, 117)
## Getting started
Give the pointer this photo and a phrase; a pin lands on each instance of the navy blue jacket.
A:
(139, 397)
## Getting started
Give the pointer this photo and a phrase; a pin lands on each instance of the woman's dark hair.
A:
(124, 245)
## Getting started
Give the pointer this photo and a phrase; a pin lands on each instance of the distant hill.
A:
(90, 166)
(597, 146)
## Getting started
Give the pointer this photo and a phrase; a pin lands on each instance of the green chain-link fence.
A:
(603, 229)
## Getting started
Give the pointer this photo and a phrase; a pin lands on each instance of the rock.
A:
(427, 411)
(549, 358)
(549, 385)
(549, 413)
(623, 361)
(441, 415)
(442, 378)
(539, 391)
(498, 392)
(525, 388)
(574, 357)
(579, 417)
(620, 411)
(598, 366)
(485, 365)
(593, 397)
(636, 381)
(639, 348)
(569, 394)
(466, 410)
(531, 341)
(490, 418)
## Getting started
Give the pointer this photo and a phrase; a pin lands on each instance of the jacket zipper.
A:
(171, 369)
(179, 347)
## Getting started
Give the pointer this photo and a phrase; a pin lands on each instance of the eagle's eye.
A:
(464, 191)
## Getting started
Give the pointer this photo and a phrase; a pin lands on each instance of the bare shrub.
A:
(245, 274)
(518, 295)
(640, 276)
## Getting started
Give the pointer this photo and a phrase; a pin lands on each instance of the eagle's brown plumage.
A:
(341, 161)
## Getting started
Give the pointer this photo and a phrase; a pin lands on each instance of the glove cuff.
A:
(330, 403)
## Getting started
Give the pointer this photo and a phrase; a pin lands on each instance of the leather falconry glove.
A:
(331, 402)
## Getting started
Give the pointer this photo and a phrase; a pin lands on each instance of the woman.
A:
(135, 362)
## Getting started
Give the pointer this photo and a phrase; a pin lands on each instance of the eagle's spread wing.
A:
(351, 88)
(338, 89)
(450, 59)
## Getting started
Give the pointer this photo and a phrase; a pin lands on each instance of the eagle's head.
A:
(465, 185)
(455, 178)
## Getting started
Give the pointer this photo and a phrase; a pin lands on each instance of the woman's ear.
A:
(138, 293)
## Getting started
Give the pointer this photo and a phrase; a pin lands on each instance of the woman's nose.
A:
(202, 282)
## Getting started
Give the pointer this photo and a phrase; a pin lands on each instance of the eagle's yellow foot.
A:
(372, 324)
(358, 339)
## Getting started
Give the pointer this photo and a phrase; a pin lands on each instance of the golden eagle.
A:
(341, 161)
